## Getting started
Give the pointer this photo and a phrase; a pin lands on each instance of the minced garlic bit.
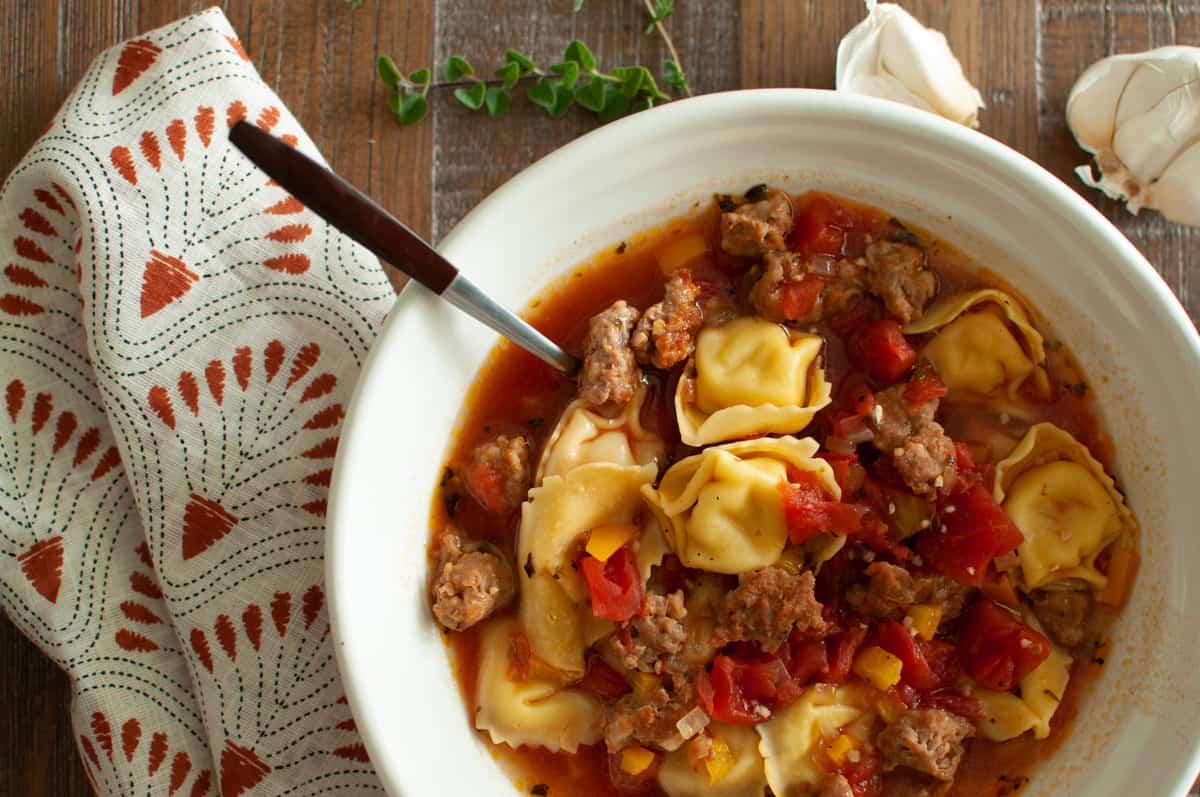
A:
(925, 523)
(949, 510)
(1005, 418)
(971, 570)
(1025, 643)
(762, 711)
(891, 508)
(939, 481)
(854, 756)
(918, 561)
(877, 413)
(868, 556)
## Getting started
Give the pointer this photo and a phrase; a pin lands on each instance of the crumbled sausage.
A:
(782, 270)
(499, 475)
(755, 228)
(942, 591)
(666, 333)
(906, 783)
(929, 740)
(610, 371)
(645, 642)
(1063, 613)
(898, 274)
(767, 605)
(890, 591)
(650, 720)
(836, 785)
(921, 450)
(471, 583)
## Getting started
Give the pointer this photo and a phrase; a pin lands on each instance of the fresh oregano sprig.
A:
(575, 80)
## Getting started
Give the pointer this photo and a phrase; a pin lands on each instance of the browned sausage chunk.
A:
(836, 786)
(906, 783)
(1063, 613)
(499, 475)
(889, 593)
(767, 605)
(920, 448)
(471, 583)
(897, 273)
(928, 740)
(610, 371)
(645, 642)
(755, 228)
(652, 720)
(666, 333)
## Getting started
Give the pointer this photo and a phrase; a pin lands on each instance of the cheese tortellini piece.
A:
(1007, 716)
(984, 342)
(789, 739)
(723, 508)
(530, 712)
(559, 512)
(1064, 503)
(585, 435)
(749, 377)
(744, 779)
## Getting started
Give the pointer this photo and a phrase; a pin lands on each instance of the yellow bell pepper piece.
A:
(890, 709)
(604, 541)
(840, 748)
(719, 761)
(880, 668)
(925, 619)
(1121, 569)
(635, 760)
(643, 684)
(680, 252)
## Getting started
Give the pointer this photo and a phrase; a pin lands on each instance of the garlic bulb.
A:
(891, 55)
(1139, 114)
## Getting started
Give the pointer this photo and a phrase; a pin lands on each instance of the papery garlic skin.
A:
(891, 55)
(1139, 115)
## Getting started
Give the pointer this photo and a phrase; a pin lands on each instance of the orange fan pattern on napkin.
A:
(178, 340)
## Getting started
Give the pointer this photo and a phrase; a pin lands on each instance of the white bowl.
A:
(1139, 729)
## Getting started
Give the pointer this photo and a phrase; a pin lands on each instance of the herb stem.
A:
(666, 37)
(408, 85)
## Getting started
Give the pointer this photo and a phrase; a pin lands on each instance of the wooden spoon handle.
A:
(344, 206)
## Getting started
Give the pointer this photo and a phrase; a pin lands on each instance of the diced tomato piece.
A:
(855, 395)
(924, 386)
(873, 533)
(722, 694)
(955, 702)
(601, 679)
(942, 657)
(818, 228)
(615, 585)
(841, 655)
(895, 639)
(881, 348)
(799, 297)
(811, 511)
(865, 775)
(975, 531)
(761, 680)
(807, 658)
(485, 483)
(849, 475)
(997, 649)
(861, 312)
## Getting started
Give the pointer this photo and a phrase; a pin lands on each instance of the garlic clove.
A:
(1175, 193)
(893, 56)
(1139, 114)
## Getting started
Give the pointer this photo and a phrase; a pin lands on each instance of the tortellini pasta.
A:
(750, 377)
(531, 712)
(1064, 503)
(553, 522)
(744, 779)
(984, 342)
(789, 739)
(585, 435)
(1007, 716)
(723, 508)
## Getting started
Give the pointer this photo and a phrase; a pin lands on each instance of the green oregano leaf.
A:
(632, 78)
(510, 73)
(591, 95)
(498, 101)
(576, 4)
(662, 10)
(578, 52)
(568, 70)
(542, 94)
(412, 109)
(472, 96)
(524, 62)
(615, 103)
(457, 68)
(388, 72)
(393, 102)
(673, 75)
(421, 77)
(563, 100)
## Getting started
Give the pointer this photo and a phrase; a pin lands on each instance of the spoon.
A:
(356, 215)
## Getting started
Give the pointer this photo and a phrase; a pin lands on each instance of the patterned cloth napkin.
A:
(178, 339)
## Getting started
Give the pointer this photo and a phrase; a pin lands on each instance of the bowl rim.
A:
(969, 143)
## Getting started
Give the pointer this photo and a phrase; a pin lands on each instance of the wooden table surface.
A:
(319, 56)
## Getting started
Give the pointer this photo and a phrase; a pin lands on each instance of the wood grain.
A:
(318, 54)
